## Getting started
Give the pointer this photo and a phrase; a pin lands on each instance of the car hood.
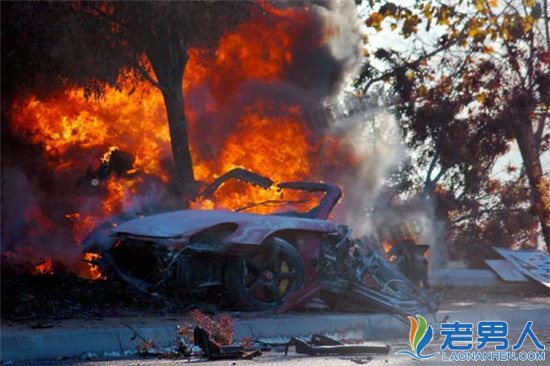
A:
(252, 228)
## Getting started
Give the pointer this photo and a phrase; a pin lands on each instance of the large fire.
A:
(76, 132)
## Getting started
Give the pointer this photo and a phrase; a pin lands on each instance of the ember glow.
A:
(234, 118)
(386, 247)
(88, 269)
(45, 267)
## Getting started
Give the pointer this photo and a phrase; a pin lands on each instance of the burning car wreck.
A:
(258, 262)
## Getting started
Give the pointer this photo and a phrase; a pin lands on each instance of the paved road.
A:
(108, 337)
(274, 358)
(95, 339)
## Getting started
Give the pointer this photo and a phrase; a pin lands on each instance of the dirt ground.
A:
(48, 298)
(38, 300)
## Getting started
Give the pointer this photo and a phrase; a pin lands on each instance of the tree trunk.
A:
(179, 139)
(526, 140)
(169, 66)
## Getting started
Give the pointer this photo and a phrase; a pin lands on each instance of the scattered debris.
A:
(213, 351)
(320, 345)
(114, 161)
(147, 347)
(531, 263)
(219, 327)
(209, 337)
(506, 270)
(262, 262)
(410, 259)
(361, 360)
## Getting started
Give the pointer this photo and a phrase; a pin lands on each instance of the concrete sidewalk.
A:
(112, 337)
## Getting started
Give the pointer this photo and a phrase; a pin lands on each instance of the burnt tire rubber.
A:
(264, 278)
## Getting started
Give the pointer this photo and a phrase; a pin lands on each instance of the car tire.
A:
(263, 278)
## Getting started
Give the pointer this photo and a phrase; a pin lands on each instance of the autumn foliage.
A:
(474, 83)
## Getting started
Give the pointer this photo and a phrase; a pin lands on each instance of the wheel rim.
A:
(269, 275)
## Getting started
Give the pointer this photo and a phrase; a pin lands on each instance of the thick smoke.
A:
(357, 152)
(315, 77)
(343, 25)
(370, 206)
(45, 201)
(371, 132)
(30, 232)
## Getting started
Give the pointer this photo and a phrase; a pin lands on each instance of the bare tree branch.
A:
(150, 78)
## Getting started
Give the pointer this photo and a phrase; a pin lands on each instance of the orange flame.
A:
(89, 270)
(77, 132)
(45, 267)
(386, 247)
(282, 150)
(68, 121)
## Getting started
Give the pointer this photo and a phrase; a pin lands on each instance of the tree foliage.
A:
(475, 78)
(94, 43)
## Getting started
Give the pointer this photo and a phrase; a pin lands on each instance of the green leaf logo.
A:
(420, 335)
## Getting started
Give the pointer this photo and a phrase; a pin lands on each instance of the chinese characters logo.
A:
(459, 340)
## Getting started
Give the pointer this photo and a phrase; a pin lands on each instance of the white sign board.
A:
(532, 263)
(506, 270)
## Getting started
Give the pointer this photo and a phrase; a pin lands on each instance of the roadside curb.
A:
(115, 340)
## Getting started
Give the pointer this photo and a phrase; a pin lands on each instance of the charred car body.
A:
(258, 262)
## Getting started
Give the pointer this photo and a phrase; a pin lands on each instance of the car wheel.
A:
(264, 278)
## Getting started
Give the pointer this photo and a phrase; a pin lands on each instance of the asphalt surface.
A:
(77, 339)
(274, 358)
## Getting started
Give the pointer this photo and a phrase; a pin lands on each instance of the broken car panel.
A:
(259, 262)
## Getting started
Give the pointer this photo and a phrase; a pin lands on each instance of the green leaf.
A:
(422, 326)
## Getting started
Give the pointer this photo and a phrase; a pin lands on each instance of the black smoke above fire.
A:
(252, 101)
